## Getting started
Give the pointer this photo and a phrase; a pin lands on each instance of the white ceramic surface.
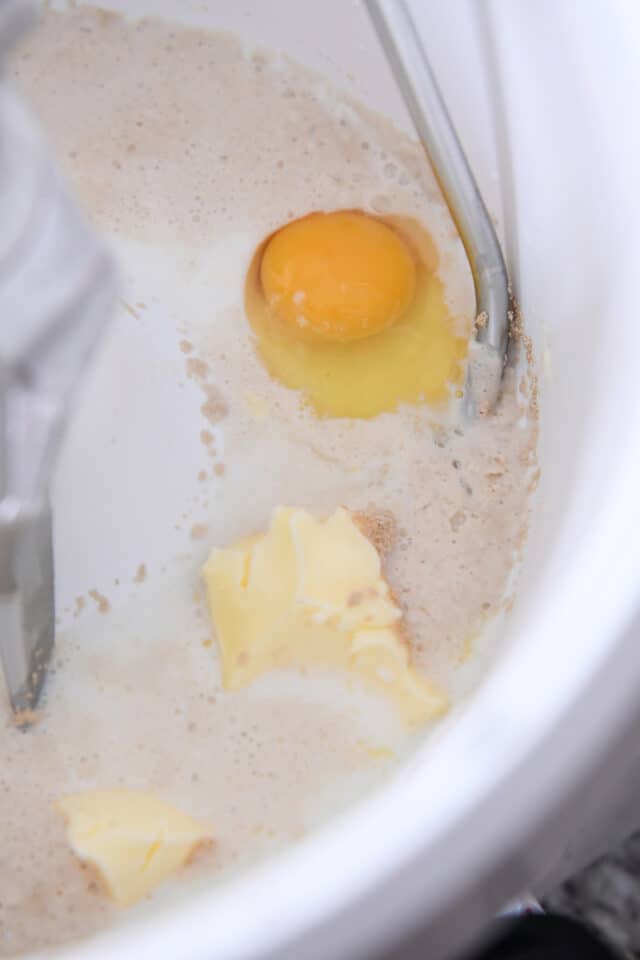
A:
(453, 835)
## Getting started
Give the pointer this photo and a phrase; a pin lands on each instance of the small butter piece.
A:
(132, 839)
(383, 662)
(311, 592)
(251, 585)
(339, 573)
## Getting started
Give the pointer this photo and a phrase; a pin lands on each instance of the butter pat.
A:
(133, 840)
(309, 593)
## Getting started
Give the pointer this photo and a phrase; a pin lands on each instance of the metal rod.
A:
(407, 58)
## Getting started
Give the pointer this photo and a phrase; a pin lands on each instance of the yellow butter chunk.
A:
(311, 592)
(132, 839)
(339, 573)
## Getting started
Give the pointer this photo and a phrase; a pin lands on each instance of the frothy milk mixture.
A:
(187, 150)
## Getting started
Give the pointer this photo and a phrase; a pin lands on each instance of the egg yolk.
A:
(338, 276)
(348, 310)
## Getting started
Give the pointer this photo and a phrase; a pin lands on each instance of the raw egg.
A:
(348, 310)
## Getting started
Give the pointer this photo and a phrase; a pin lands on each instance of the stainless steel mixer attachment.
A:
(57, 290)
(406, 56)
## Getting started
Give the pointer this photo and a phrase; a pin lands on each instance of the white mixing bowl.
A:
(497, 798)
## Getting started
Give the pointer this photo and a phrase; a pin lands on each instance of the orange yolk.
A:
(338, 276)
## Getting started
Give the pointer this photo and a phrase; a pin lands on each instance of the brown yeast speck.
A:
(457, 519)
(26, 718)
(215, 408)
(129, 309)
(100, 600)
(480, 321)
(186, 346)
(200, 850)
(199, 531)
(141, 574)
(379, 527)
(197, 369)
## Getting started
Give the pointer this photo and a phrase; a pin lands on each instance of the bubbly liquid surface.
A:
(188, 150)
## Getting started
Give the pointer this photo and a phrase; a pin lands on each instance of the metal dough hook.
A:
(406, 56)
(57, 291)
